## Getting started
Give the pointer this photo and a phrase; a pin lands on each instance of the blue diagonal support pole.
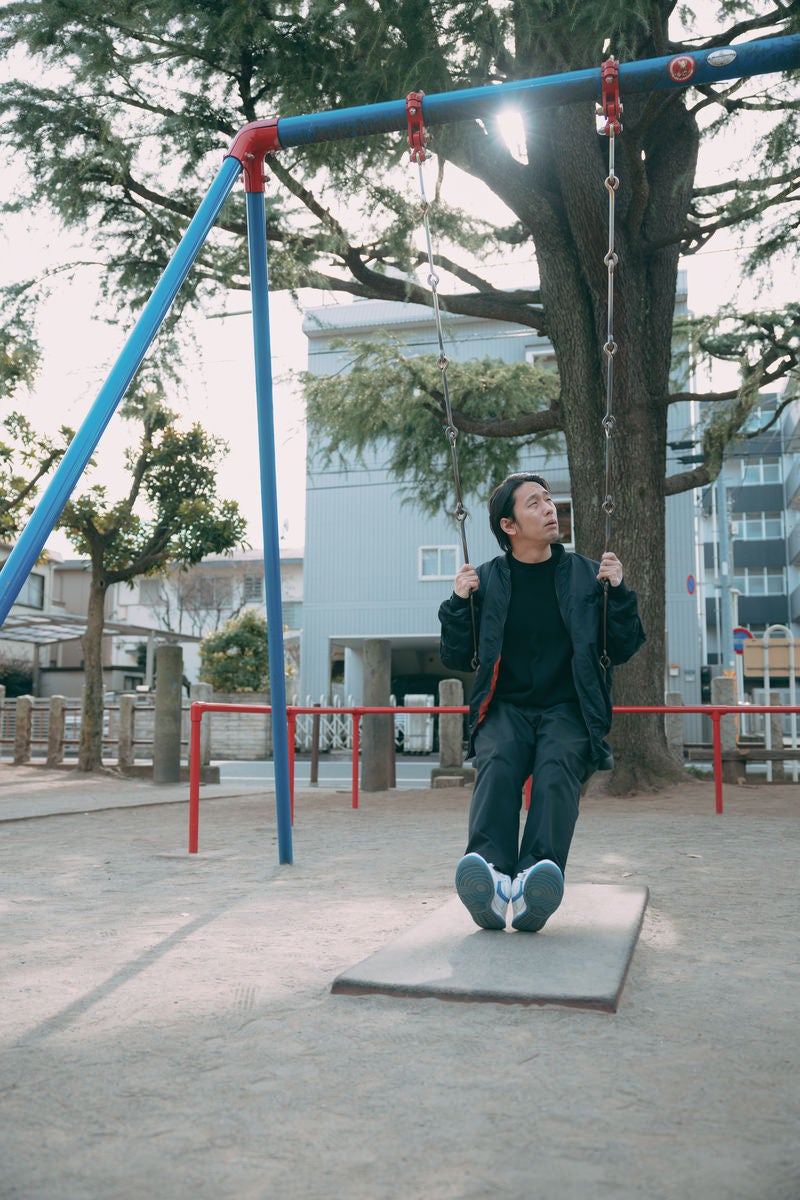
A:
(31, 542)
(259, 286)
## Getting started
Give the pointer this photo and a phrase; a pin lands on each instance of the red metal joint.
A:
(612, 106)
(417, 134)
(251, 146)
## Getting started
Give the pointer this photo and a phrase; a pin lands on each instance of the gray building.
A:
(375, 567)
(750, 534)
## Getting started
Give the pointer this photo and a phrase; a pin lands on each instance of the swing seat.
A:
(580, 959)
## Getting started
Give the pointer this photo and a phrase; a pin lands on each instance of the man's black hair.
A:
(501, 502)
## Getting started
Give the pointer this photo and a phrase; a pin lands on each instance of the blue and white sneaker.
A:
(535, 895)
(484, 892)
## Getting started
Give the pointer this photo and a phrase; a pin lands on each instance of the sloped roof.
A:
(43, 628)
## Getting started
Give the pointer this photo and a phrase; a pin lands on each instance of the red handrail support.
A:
(251, 146)
(715, 711)
(195, 716)
(356, 751)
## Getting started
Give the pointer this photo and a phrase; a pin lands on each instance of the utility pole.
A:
(726, 656)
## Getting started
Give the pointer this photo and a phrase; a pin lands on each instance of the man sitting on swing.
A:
(541, 702)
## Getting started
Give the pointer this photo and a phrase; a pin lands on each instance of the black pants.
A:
(552, 745)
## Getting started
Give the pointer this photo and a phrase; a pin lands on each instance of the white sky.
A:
(79, 350)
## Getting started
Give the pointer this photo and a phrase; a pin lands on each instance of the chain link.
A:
(610, 349)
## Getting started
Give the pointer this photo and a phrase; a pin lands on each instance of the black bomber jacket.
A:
(580, 600)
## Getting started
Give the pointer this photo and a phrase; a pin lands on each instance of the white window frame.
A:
(752, 526)
(743, 579)
(447, 575)
(252, 589)
(762, 468)
(32, 591)
(759, 416)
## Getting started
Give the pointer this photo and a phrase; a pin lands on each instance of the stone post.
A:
(778, 773)
(377, 732)
(55, 732)
(451, 769)
(723, 691)
(204, 692)
(167, 732)
(125, 742)
(673, 727)
(22, 729)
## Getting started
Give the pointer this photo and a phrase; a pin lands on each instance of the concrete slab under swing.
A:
(580, 959)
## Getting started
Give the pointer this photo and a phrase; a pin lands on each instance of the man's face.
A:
(535, 520)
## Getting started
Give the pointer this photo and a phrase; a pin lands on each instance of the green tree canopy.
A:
(171, 514)
(126, 131)
(236, 658)
(390, 398)
(25, 459)
(25, 455)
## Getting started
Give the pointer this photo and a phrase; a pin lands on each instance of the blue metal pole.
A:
(674, 71)
(33, 537)
(257, 242)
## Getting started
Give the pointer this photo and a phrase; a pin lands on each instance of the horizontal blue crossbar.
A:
(654, 74)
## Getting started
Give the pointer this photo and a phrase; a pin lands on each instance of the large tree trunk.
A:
(574, 278)
(90, 753)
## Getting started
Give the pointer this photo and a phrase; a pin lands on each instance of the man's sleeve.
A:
(624, 628)
(456, 647)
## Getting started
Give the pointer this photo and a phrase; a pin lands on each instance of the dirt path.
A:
(168, 1027)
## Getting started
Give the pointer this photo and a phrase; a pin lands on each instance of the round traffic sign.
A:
(740, 636)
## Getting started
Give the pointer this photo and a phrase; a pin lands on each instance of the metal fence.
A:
(413, 733)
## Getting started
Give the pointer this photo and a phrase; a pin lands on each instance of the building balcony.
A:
(754, 610)
(753, 552)
(756, 497)
(793, 487)
(791, 428)
(793, 546)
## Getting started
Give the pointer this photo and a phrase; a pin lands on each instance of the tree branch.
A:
(724, 38)
(494, 305)
(699, 397)
(696, 236)
(42, 469)
(543, 421)
(686, 481)
(747, 185)
(155, 554)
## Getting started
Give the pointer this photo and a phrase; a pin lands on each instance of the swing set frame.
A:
(246, 157)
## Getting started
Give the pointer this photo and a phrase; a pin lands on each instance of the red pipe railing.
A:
(715, 711)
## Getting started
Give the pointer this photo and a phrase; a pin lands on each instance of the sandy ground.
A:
(169, 1030)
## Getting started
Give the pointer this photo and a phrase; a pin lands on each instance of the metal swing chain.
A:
(612, 109)
(451, 432)
(417, 139)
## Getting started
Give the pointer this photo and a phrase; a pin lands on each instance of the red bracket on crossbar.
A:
(251, 146)
(612, 106)
(417, 134)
